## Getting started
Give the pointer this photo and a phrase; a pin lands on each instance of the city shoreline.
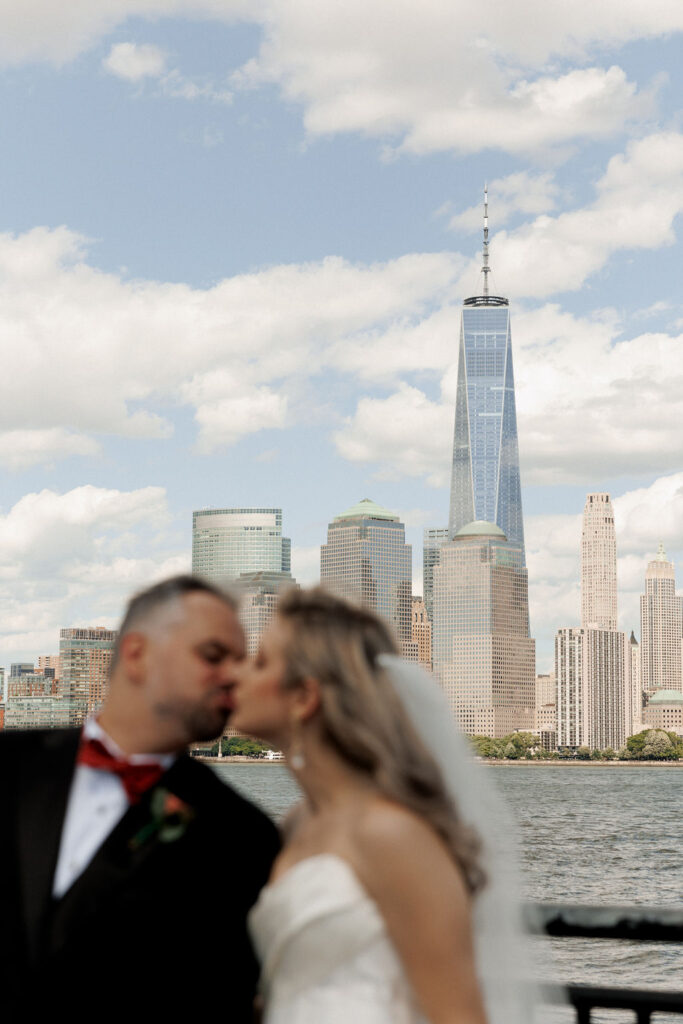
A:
(494, 761)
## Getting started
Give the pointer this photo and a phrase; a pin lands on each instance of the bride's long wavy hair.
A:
(339, 644)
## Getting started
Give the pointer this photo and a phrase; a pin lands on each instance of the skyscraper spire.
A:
(661, 553)
(486, 270)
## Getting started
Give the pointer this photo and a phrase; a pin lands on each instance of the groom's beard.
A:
(198, 720)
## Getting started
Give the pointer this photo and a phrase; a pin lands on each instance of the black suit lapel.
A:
(125, 850)
(42, 804)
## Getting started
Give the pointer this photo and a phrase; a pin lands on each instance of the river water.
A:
(589, 834)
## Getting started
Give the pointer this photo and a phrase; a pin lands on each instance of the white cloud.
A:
(74, 558)
(638, 199)
(406, 434)
(119, 353)
(431, 76)
(22, 448)
(134, 61)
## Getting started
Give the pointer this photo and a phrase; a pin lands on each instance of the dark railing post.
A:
(640, 924)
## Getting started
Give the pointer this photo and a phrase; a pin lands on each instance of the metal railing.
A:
(640, 924)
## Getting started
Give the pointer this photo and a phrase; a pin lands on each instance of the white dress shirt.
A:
(97, 802)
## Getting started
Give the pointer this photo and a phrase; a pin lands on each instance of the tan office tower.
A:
(598, 564)
(481, 649)
(85, 659)
(661, 626)
(422, 632)
(366, 558)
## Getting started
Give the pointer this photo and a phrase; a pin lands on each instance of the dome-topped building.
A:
(482, 651)
(367, 509)
(366, 558)
(480, 528)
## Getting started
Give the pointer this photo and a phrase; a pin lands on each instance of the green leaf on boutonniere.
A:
(170, 819)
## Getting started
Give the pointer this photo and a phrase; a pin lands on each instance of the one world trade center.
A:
(485, 479)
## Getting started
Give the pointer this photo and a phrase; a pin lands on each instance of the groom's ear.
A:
(307, 698)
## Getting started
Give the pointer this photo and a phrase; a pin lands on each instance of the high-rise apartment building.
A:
(485, 477)
(482, 653)
(661, 627)
(598, 564)
(227, 542)
(421, 630)
(85, 655)
(366, 558)
(570, 680)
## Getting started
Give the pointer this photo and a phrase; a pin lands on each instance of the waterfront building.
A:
(485, 477)
(421, 632)
(664, 710)
(598, 564)
(85, 654)
(482, 653)
(366, 558)
(661, 627)
(47, 711)
(227, 542)
(432, 539)
(569, 675)
(592, 693)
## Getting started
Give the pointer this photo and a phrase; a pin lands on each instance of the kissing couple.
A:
(137, 885)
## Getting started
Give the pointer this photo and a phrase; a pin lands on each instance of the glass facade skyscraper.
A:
(485, 479)
(366, 558)
(227, 542)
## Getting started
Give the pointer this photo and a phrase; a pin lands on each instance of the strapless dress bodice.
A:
(325, 954)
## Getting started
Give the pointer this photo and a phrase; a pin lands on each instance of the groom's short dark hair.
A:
(147, 602)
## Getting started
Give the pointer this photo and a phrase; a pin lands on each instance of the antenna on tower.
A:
(486, 270)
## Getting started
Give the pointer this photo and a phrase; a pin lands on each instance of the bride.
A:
(373, 913)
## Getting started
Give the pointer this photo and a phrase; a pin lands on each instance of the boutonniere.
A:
(170, 819)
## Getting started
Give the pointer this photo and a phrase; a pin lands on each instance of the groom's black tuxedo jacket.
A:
(155, 929)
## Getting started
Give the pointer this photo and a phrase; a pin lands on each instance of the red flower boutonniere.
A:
(170, 819)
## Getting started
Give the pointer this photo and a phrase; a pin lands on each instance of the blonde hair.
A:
(339, 643)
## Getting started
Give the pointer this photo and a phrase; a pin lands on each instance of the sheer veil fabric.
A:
(502, 945)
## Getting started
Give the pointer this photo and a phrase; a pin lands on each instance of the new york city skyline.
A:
(232, 276)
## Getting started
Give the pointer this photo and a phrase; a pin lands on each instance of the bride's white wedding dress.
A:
(325, 954)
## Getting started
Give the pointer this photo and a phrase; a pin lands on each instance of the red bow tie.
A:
(136, 778)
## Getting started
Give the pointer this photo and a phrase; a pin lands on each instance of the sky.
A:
(235, 237)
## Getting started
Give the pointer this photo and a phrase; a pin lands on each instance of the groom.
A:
(127, 868)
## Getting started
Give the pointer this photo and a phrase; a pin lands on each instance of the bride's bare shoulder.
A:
(389, 838)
